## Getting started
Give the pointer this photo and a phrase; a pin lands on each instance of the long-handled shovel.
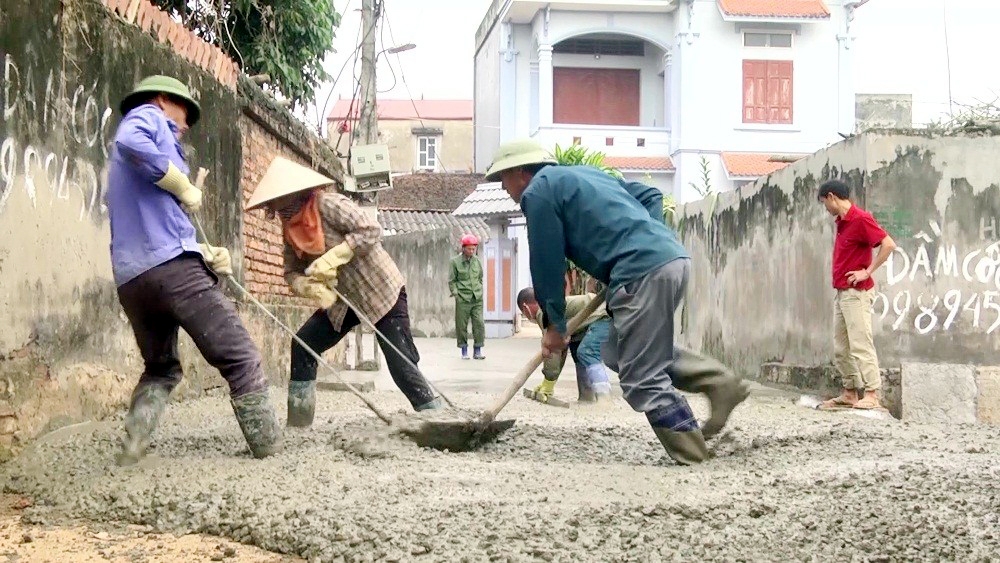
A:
(423, 433)
(465, 435)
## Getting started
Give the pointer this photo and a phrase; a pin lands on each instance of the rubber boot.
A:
(686, 448)
(259, 423)
(437, 403)
(598, 377)
(695, 373)
(586, 392)
(148, 403)
(301, 403)
(477, 353)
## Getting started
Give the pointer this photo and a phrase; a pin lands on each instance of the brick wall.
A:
(267, 131)
(262, 244)
(181, 40)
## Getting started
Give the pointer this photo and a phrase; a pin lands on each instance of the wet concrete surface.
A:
(589, 483)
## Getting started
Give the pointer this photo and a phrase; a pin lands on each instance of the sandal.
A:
(842, 402)
(868, 403)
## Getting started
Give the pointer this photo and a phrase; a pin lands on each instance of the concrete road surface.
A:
(588, 483)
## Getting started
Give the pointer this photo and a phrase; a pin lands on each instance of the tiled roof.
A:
(405, 110)
(775, 8)
(429, 191)
(401, 221)
(488, 200)
(750, 163)
(639, 162)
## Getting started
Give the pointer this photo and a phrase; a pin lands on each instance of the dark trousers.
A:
(318, 333)
(184, 293)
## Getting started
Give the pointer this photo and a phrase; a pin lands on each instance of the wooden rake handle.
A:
(522, 376)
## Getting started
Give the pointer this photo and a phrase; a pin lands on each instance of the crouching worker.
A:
(331, 242)
(614, 231)
(161, 274)
(584, 345)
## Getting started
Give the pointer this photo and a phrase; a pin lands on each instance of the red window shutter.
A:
(596, 96)
(779, 90)
(754, 91)
(767, 91)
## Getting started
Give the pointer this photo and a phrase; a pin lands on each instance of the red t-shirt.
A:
(857, 234)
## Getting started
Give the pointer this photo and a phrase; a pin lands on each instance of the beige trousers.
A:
(854, 349)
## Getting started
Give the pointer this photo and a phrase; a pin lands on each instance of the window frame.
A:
(422, 154)
(768, 33)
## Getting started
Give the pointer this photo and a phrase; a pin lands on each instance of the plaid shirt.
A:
(371, 279)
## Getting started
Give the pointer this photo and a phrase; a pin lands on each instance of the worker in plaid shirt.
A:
(331, 242)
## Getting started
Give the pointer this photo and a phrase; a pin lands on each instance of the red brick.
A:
(144, 18)
(132, 10)
(161, 25)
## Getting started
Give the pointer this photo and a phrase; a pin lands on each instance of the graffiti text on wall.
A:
(75, 119)
(975, 304)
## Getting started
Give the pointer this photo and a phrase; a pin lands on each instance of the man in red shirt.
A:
(854, 351)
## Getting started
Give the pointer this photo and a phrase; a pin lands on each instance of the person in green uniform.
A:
(465, 284)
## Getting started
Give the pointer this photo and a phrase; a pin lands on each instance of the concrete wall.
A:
(66, 349)
(486, 96)
(423, 258)
(761, 289)
(880, 111)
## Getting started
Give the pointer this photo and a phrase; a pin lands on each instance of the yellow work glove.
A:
(314, 290)
(325, 267)
(546, 388)
(175, 182)
(218, 259)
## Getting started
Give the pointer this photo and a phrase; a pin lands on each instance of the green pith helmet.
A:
(517, 153)
(160, 84)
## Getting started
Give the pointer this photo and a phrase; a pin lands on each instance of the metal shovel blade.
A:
(456, 435)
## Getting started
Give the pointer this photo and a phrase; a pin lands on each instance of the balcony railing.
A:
(609, 139)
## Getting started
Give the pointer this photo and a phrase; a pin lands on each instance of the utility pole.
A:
(366, 132)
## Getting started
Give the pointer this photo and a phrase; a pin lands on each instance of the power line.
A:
(416, 111)
(321, 116)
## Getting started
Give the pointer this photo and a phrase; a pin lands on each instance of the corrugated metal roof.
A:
(401, 221)
(489, 200)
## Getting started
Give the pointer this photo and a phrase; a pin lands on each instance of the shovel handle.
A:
(522, 376)
(198, 182)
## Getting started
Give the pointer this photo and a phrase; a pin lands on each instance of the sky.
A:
(900, 49)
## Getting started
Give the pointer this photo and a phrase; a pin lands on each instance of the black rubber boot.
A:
(585, 394)
(301, 403)
(695, 373)
(148, 403)
(259, 423)
(686, 448)
(436, 404)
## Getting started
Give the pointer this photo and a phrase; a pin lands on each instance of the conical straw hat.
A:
(285, 177)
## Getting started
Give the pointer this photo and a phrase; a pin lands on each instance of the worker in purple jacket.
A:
(163, 275)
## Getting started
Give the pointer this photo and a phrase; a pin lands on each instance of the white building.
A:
(676, 92)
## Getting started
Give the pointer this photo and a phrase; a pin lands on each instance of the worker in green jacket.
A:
(465, 284)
